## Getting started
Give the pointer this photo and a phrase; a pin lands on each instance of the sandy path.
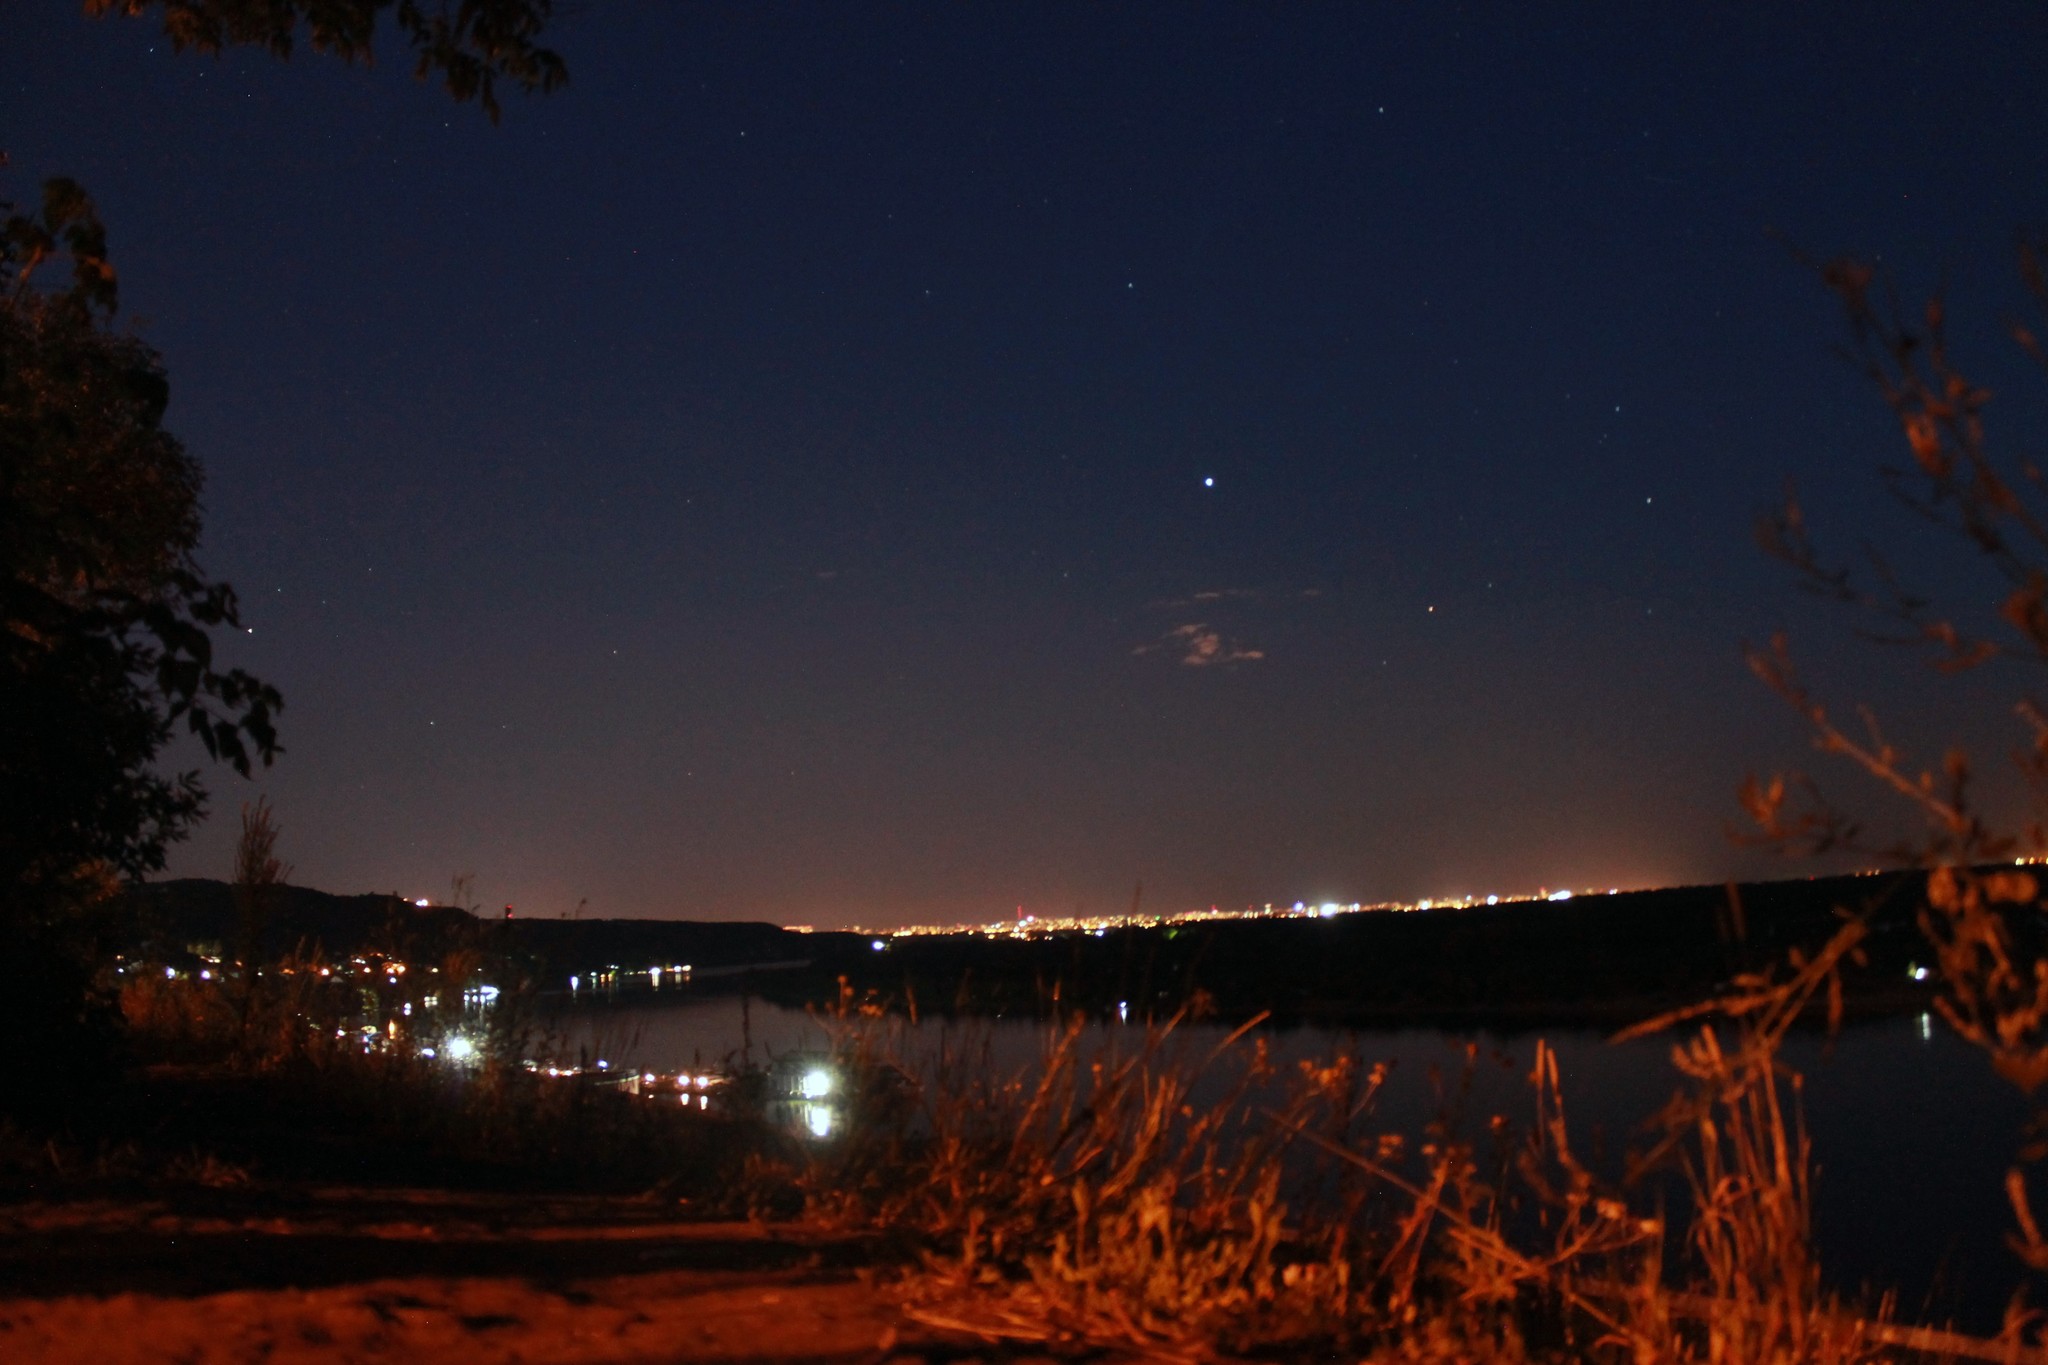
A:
(341, 1276)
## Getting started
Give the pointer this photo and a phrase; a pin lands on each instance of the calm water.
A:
(1911, 1130)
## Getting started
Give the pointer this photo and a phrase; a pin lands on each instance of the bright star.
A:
(1208, 483)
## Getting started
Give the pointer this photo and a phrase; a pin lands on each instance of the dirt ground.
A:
(213, 1276)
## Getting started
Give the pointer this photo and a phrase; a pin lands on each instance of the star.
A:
(1208, 483)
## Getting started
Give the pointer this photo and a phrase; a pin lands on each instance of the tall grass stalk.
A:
(1157, 1193)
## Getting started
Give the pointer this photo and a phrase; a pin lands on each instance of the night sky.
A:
(872, 463)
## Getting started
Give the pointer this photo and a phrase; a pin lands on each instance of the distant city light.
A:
(1034, 927)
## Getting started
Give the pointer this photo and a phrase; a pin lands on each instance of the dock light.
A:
(819, 1121)
(816, 1086)
(647, 1079)
(574, 983)
(460, 1049)
(703, 1081)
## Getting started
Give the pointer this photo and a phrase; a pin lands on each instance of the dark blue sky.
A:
(768, 478)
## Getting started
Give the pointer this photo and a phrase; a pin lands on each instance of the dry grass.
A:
(1202, 1201)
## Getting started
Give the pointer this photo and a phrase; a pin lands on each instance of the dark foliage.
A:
(104, 617)
(471, 44)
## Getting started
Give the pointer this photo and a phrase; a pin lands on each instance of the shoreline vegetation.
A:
(1166, 1197)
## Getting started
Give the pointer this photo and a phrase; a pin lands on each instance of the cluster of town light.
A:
(1039, 926)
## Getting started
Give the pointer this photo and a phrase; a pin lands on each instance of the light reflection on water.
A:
(1911, 1130)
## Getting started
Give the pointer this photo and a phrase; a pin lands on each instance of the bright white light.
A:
(1208, 483)
(816, 1085)
(205, 975)
(421, 902)
(460, 1049)
(654, 975)
(427, 1052)
(1917, 973)
(1926, 1028)
(1560, 895)
(1123, 1011)
(1493, 900)
(1329, 909)
(647, 1079)
(702, 1081)
(170, 973)
(819, 1121)
(574, 983)
(877, 945)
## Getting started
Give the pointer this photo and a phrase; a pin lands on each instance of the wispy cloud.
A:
(1199, 646)
(1206, 595)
